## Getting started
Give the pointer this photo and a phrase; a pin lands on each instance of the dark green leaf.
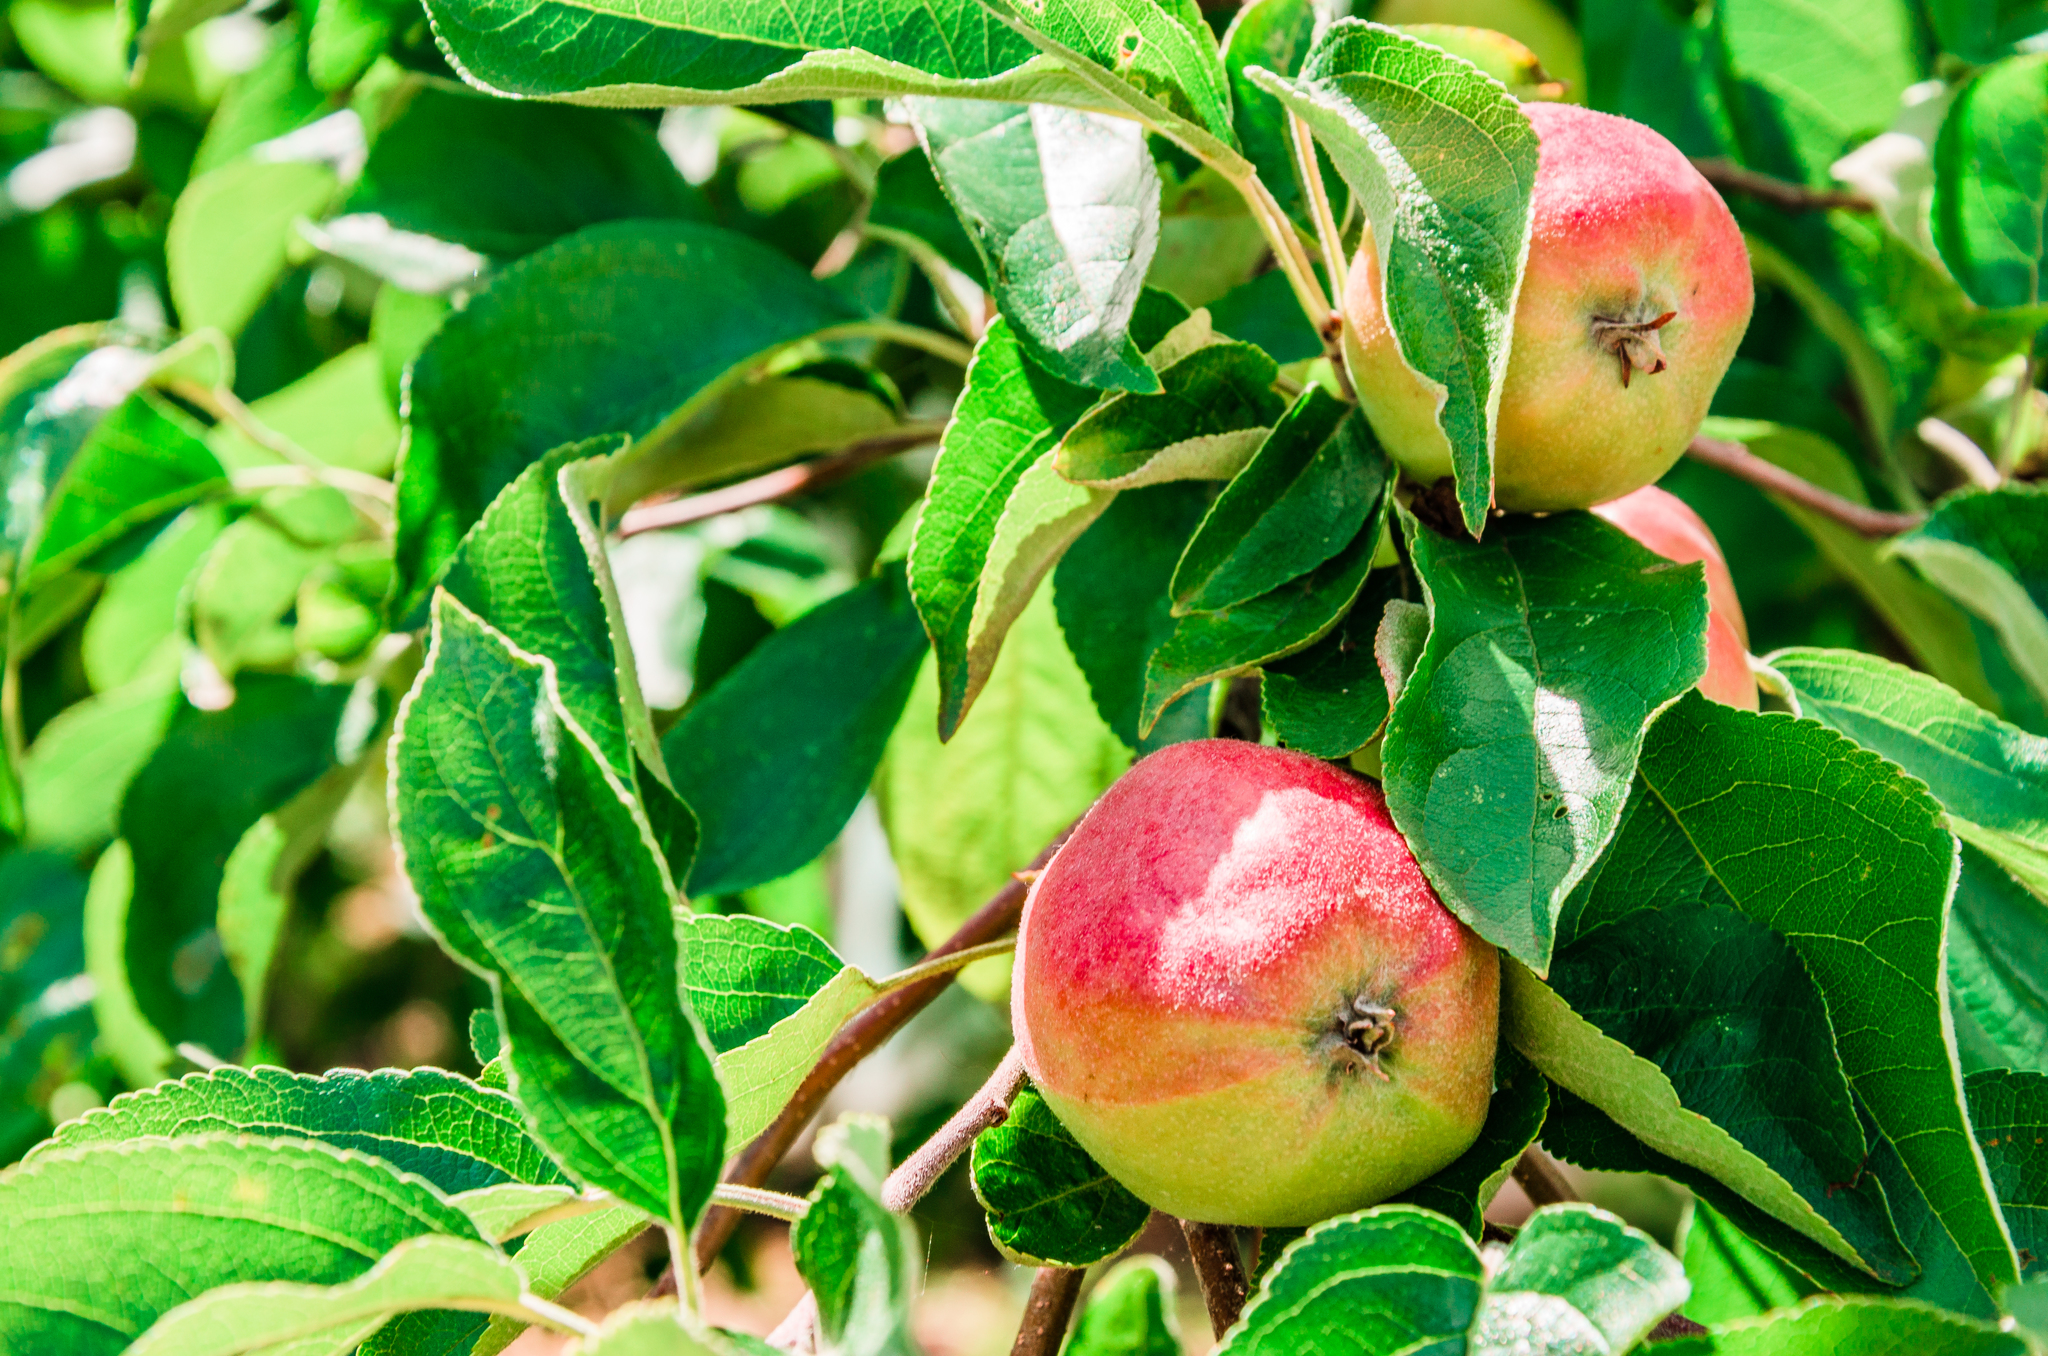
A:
(1111, 594)
(1510, 748)
(910, 209)
(1275, 35)
(1063, 207)
(1300, 500)
(2009, 1112)
(615, 329)
(776, 756)
(1205, 646)
(426, 1122)
(1848, 860)
(860, 1259)
(214, 775)
(1048, 1202)
(1331, 698)
(1857, 1327)
(504, 177)
(1989, 551)
(1215, 407)
(46, 1018)
(1732, 1276)
(127, 1232)
(1637, 66)
(1161, 52)
(1577, 1278)
(1980, 30)
(1011, 414)
(537, 873)
(1997, 933)
(1444, 163)
(1989, 187)
(1264, 312)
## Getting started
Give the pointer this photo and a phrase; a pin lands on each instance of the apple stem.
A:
(1220, 1269)
(1541, 1178)
(859, 1038)
(914, 1176)
(1743, 464)
(1050, 1309)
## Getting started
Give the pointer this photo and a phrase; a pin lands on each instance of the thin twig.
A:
(761, 1201)
(1961, 452)
(1050, 1309)
(1213, 1249)
(856, 1041)
(1730, 177)
(1743, 464)
(914, 1176)
(782, 484)
(2009, 447)
(1542, 1180)
(1310, 172)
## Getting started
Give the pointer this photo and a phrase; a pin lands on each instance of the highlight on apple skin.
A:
(1236, 989)
(1636, 293)
(1666, 524)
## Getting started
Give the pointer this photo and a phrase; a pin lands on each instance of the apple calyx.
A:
(1634, 342)
(1362, 1030)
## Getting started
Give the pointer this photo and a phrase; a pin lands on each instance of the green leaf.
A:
(1214, 409)
(1206, 646)
(1048, 1202)
(538, 874)
(1275, 35)
(961, 816)
(1996, 934)
(1331, 699)
(1391, 1279)
(1510, 748)
(1577, 1279)
(2009, 1109)
(1011, 413)
(1989, 551)
(1732, 1276)
(505, 177)
(1935, 631)
(1444, 164)
(1462, 1191)
(426, 1122)
(657, 1328)
(338, 412)
(617, 329)
(272, 97)
(76, 772)
(1803, 83)
(1857, 1327)
(230, 233)
(347, 35)
(214, 775)
(128, 1232)
(911, 210)
(554, 1257)
(1991, 777)
(1850, 862)
(271, 1318)
(776, 756)
(770, 996)
(1989, 185)
(1578, 1056)
(1130, 1312)
(137, 1048)
(1659, 959)
(145, 460)
(861, 1260)
(46, 1017)
(1153, 56)
(1110, 592)
(1063, 207)
(134, 628)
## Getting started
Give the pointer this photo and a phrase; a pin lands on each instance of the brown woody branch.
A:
(783, 484)
(1049, 1310)
(914, 1176)
(1729, 177)
(1743, 464)
(1541, 1179)
(856, 1040)
(1213, 1249)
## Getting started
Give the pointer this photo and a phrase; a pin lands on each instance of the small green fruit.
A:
(1237, 990)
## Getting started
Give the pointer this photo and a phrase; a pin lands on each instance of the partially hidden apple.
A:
(1666, 524)
(1636, 293)
(1236, 989)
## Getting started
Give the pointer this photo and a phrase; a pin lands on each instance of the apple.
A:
(1666, 524)
(1636, 293)
(1235, 988)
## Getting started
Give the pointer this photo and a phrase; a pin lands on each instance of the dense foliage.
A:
(642, 440)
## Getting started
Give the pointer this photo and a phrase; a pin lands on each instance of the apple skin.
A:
(1179, 969)
(1624, 230)
(1666, 524)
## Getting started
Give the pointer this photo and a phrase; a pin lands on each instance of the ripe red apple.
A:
(1666, 524)
(1636, 294)
(1234, 986)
